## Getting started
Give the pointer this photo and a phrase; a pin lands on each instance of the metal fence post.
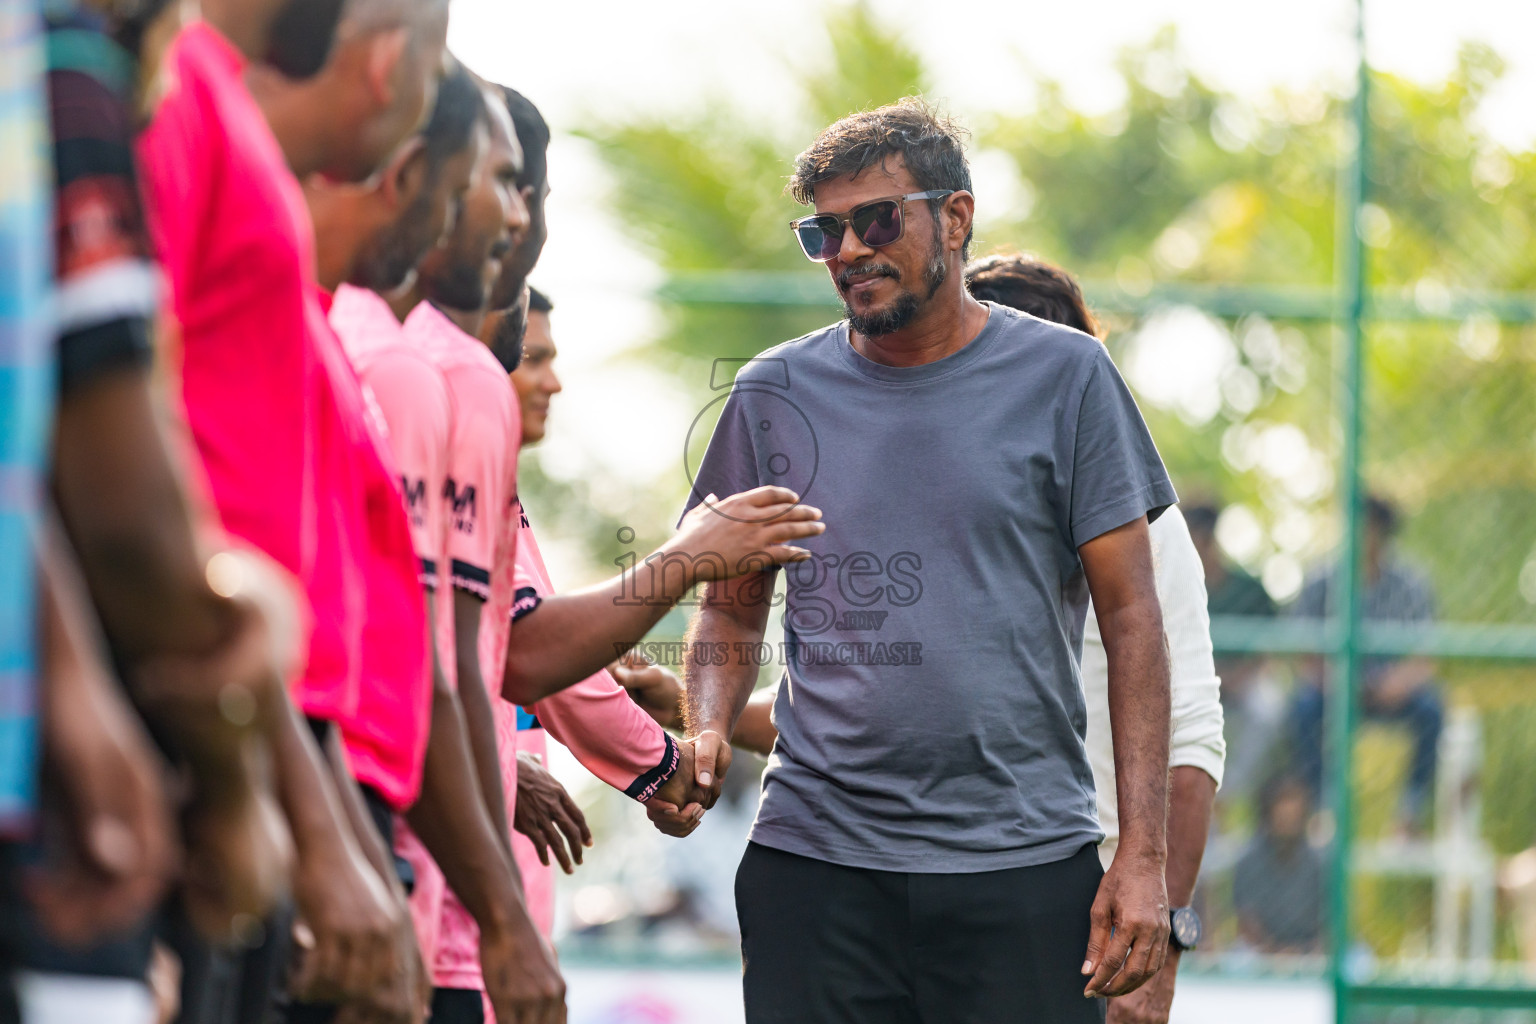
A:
(1350, 281)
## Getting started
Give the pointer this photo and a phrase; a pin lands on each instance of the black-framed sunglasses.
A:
(877, 222)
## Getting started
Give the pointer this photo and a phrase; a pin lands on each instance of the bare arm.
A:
(103, 781)
(1129, 934)
(577, 634)
(147, 575)
(342, 900)
(581, 632)
(475, 704)
(733, 612)
(755, 730)
(660, 694)
(1189, 819)
(1192, 795)
(138, 551)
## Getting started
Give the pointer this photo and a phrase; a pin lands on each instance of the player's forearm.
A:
(755, 730)
(574, 636)
(305, 790)
(474, 709)
(581, 632)
(716, 694)
(355, 810)
(1192, 793)
(138, 553)
(480, 729)
(1139, 710)
(450, 819)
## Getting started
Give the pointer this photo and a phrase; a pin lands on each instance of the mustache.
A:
(846, 276)
(501, 248)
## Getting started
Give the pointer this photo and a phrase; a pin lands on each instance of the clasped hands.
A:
(679, 805)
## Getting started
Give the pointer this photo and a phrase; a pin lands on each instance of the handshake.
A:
(679, 805)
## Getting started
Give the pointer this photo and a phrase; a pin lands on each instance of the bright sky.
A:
(606, 58)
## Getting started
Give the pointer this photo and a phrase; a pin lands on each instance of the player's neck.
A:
(468, 321)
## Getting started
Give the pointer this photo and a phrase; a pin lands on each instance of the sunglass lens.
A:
(878, 223)
(820, 237)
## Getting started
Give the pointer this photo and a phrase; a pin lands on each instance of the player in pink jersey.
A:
(455, 820)
(230, 225)
(374, 237)
(272, 432)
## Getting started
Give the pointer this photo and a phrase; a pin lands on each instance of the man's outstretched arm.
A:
(582, 632)
(1129, 936)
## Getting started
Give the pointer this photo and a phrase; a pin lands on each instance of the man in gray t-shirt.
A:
(924, 846)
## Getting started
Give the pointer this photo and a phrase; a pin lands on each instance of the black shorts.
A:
(457, 1006)
(822, 943)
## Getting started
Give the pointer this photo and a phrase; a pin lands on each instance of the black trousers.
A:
(826, 944)
(457, 1006)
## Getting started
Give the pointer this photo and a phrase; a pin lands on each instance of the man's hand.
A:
(1151, 1003)
(654, 688)
(745, 533)
(120, 840)
(521, 977)
(345, 930)
(677, 808)
(407, 998)
(239, 856)
(711, 759)
(1128, 939)
(547, 815)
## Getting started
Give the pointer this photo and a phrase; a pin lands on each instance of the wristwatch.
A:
(1186, 930)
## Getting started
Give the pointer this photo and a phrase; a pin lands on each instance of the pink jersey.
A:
(233, 233)
(480, 497)
(390, 391)
(596, 719)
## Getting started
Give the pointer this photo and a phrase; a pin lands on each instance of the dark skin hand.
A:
(1128, 938)
(656, 689)
(570, 636)
(346, 922)
(407, 996)
(238, 848)
(660, 693)
(547, 815)
(677, 808)
(1192, 795)
(111, 842)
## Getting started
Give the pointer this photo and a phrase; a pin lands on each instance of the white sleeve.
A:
(1197, 720)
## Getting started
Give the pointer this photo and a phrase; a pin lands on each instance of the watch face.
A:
(1186, 928)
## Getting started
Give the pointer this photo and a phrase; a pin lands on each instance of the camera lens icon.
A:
(776, 426)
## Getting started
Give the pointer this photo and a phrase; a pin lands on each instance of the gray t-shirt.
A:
(931, 717)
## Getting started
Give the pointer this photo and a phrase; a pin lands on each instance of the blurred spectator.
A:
(1252, 704)
(1277, 889)
(1391, 689)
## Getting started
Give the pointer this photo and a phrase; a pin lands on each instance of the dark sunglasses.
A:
(876, 223)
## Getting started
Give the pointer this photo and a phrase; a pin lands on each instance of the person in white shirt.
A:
(1197, 750)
